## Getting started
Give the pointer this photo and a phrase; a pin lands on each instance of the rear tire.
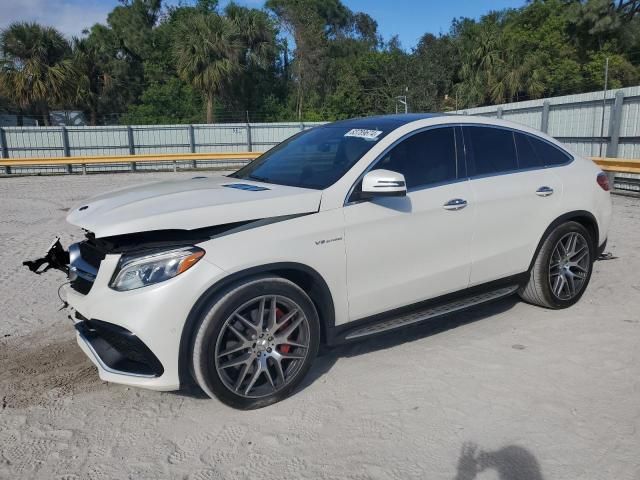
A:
(562, 268)
(255, 342)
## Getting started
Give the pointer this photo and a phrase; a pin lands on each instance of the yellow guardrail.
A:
(97, 159)
(622, 165)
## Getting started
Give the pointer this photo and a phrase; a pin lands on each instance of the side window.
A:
(424, 158)
(527, 156)
(492, 149)
(548, 154)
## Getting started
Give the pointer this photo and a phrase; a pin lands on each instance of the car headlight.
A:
(140, 271)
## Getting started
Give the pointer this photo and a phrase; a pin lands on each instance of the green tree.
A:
(305, 24)
(162, 64)
(481, 47)
(133, 24)
(94, 81)
(118, 78)
(621, 71)
(166, 103)
(326, 34)
(36, 69)
(312, 23)
(256, 35)
(434, 63)
(206, 53)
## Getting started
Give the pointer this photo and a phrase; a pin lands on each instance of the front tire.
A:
(562, 268)
(256, 342)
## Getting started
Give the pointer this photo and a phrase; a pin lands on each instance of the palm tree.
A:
(36, 69)
(93, 81)
(518, 75)
(494, 72)
(206, 52)
(480, 65)
(257, 36)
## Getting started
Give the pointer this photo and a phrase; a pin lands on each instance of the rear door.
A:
(515, 196)
(402, 250)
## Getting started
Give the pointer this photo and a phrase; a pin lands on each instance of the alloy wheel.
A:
(262, 346)
(569, 266)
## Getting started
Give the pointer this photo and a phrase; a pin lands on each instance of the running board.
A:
(431, 312)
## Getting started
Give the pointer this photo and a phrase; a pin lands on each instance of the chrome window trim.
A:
(437, 184)
(507, 172)
(465, 157)
(570, 157)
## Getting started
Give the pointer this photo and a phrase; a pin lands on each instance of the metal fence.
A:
(593, 124)
(60, 142)
(26, 142)
(577, 120)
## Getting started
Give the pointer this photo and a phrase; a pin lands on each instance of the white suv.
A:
(347, 230)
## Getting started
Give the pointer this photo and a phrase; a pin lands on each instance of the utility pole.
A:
(402, 99)
(604, 102)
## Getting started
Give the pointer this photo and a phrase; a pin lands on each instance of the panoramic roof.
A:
(384, 122)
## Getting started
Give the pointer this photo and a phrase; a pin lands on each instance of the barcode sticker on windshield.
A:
(363, 133)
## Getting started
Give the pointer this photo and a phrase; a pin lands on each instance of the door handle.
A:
(544, 191)
(455, 204)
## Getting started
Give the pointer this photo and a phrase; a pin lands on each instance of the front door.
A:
(402, 250)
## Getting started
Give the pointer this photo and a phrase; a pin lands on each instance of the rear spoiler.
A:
(56, 257)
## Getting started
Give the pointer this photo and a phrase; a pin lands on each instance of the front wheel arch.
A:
(302, 275)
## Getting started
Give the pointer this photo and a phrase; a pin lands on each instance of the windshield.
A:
(315, 158)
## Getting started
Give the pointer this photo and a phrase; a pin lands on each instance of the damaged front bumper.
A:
(56, 257)
(133, 337)
(78, 263)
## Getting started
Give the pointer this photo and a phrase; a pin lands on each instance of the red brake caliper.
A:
(283, 348)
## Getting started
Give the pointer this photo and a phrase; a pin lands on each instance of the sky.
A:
(409, 19)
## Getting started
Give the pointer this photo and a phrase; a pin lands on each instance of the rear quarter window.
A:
(549, 155)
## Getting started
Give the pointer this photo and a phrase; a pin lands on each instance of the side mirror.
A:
(383, 183)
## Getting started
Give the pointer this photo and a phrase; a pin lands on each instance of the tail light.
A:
(603, 181)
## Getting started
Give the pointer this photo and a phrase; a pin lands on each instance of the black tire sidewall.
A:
(211, 325)
(546, 252)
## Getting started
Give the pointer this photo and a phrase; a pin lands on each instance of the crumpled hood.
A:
(189, 204)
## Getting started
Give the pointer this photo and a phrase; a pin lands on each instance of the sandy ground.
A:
(509, 391)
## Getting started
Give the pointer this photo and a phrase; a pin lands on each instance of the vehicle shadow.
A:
(328, 356)
(510, 463)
